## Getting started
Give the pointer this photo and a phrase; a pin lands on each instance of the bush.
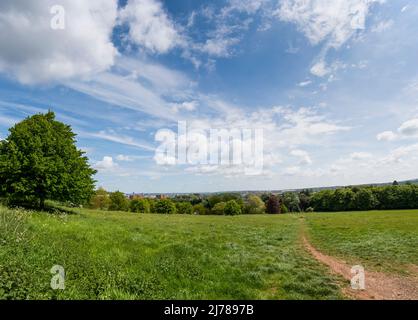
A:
(283, 208)
(232, 208)
(100, 200)
(165, 206)
(139, 206)
(219, 208)
(184, 208)
(200, 209)
(118, 202)
(254, 205)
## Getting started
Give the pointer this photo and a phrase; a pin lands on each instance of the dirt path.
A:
(379, 286)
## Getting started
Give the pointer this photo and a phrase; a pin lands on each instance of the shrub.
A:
(139, 206)
(151, 204)
(165, 206)
(100, 200)
(200, 209)
(118, 202)
(283, 208)
(254, 205)
(232, 208)
(184, 208)
(219, 208)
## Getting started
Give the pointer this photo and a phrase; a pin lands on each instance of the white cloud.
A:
(32, 52)
(304, 83)
(163, 79)
(283, 129)
(405, 8)
(107, 164)
(334, 21)
(219, 46)
(122, 157)
(386, 136)
(117, 138)
(247, 6)
(383, 26)
(302, 155)
(409, 128)
(127, 93)
(360, 155)
(320, 69)
(150, 26)
(400, 154)
(305, 126)
(230, 22)
(187, 106)
(129, 158)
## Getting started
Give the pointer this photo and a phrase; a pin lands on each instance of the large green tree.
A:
(39, 161)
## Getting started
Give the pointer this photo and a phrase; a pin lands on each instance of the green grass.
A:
(379, 240)
(114, 255)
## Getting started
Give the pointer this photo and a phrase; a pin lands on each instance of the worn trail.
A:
(379, 286)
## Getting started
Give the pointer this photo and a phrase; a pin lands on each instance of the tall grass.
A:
(13, 225)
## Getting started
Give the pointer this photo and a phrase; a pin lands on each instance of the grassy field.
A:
(114, 255)
(132, 256)
(379, 240)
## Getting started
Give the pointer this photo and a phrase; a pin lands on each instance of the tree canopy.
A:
(39, 161)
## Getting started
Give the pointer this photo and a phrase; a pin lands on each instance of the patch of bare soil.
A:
(378, 286)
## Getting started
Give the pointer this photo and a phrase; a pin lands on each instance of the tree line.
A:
(219, 204)
(366, 198)
(341, 199)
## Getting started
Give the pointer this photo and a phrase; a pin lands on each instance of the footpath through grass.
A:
(379, 240)
(135, 256)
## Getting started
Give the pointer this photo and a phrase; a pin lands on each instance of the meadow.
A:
(120, 255)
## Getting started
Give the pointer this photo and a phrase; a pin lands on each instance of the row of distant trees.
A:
(342, 199)
(220, 204)
(366, 198)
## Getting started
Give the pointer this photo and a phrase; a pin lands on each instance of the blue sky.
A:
(333, 85)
